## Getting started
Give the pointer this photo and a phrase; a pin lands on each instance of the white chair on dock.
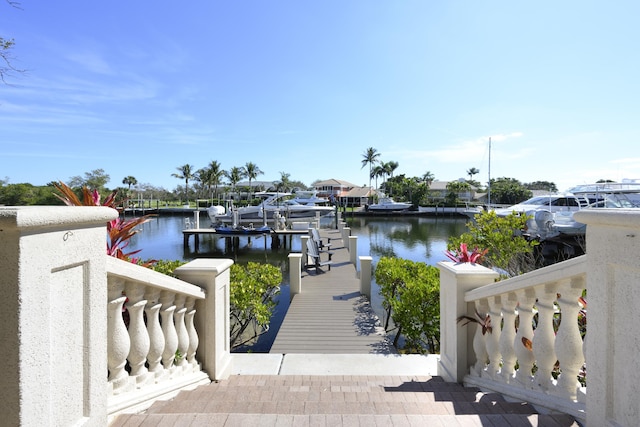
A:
(315, 236)
(315, 254)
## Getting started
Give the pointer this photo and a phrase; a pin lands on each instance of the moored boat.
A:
(274, 204)
(387, 204)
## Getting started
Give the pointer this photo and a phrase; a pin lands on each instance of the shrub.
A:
(411, 295)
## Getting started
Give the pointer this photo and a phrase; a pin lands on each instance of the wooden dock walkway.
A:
(330, 316)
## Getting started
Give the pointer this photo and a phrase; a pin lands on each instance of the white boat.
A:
(309, 197)
(273, 204)
(564, 202)
(555, 220)
(387, 204)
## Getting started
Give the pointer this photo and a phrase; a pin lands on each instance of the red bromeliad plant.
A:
(119, 231)
(463, 254)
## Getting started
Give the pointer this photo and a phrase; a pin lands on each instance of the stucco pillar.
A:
(365, 276)
(295, 274)
(456, 341)
(613, 302)
(53, 317)
(353, 250)
(212, 313)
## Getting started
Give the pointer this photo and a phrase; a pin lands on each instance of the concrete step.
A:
(247, 400)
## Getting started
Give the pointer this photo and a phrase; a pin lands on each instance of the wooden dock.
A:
(197, 232)
(330, 316)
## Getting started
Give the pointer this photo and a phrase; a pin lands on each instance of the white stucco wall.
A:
(52, 315)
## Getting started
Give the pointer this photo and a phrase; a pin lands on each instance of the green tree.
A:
(187, 173)
(96, 179)
(542, 185)
(129, 181)
(377, 172)
(508, 191)
(471, 172)
(251, 171)
(454, 189)
(370, 157)
(252, 292)
(509, 252)
(285, 183)
(411, 296)
(428, 178)
(234, 175)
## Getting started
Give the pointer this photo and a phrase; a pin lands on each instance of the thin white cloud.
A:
(91, 62)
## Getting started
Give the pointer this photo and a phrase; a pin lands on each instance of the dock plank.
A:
(330, 316)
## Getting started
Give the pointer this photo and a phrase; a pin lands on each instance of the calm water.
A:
(421, 239)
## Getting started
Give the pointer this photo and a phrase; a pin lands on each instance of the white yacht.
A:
(387, 204)
(273, 203)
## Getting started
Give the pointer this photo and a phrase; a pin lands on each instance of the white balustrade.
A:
(154, 341)
(534, 328)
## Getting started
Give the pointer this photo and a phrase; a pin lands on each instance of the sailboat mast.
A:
(489, 175)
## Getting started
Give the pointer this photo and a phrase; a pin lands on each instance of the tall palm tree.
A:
(471, 172)
(370, 157)
(216, 174)
(285, 183)
(204, 176)
(428, 178)
(234, 175)
(251, 171)
(129, 181)
(186, 172)
(387, 170)
(377, 172)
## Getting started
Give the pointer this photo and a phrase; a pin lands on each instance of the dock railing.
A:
(534, 350)
(70, 356)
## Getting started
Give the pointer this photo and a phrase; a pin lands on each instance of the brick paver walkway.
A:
(257, 400)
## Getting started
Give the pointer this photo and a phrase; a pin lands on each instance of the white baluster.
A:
(117, 337)
(509, 302)
(156, 335)
(181, 330)
(524, 337)
(183, 337)
(479, 341)
(544, 337)
(568, 340)
(193, 334)
(117, 344)
(168, 329)
(493, 339)
(137, 331)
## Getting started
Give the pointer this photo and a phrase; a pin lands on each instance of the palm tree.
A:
(428, 178)
(217, 173)
(251, 171)
(377, 172)
(186, 173)
(471, 172)
(387, 170)
(370, 157)
(234, 175)
(129, 180)
(285, 183)
(390, 167)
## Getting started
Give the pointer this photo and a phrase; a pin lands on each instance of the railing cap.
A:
(611, 217)
(146, 276)
(25, 217)
(466, 268)
(205, 265)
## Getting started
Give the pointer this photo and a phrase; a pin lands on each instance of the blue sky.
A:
(140, 88)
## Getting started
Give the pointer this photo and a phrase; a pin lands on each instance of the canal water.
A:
(417, 238)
